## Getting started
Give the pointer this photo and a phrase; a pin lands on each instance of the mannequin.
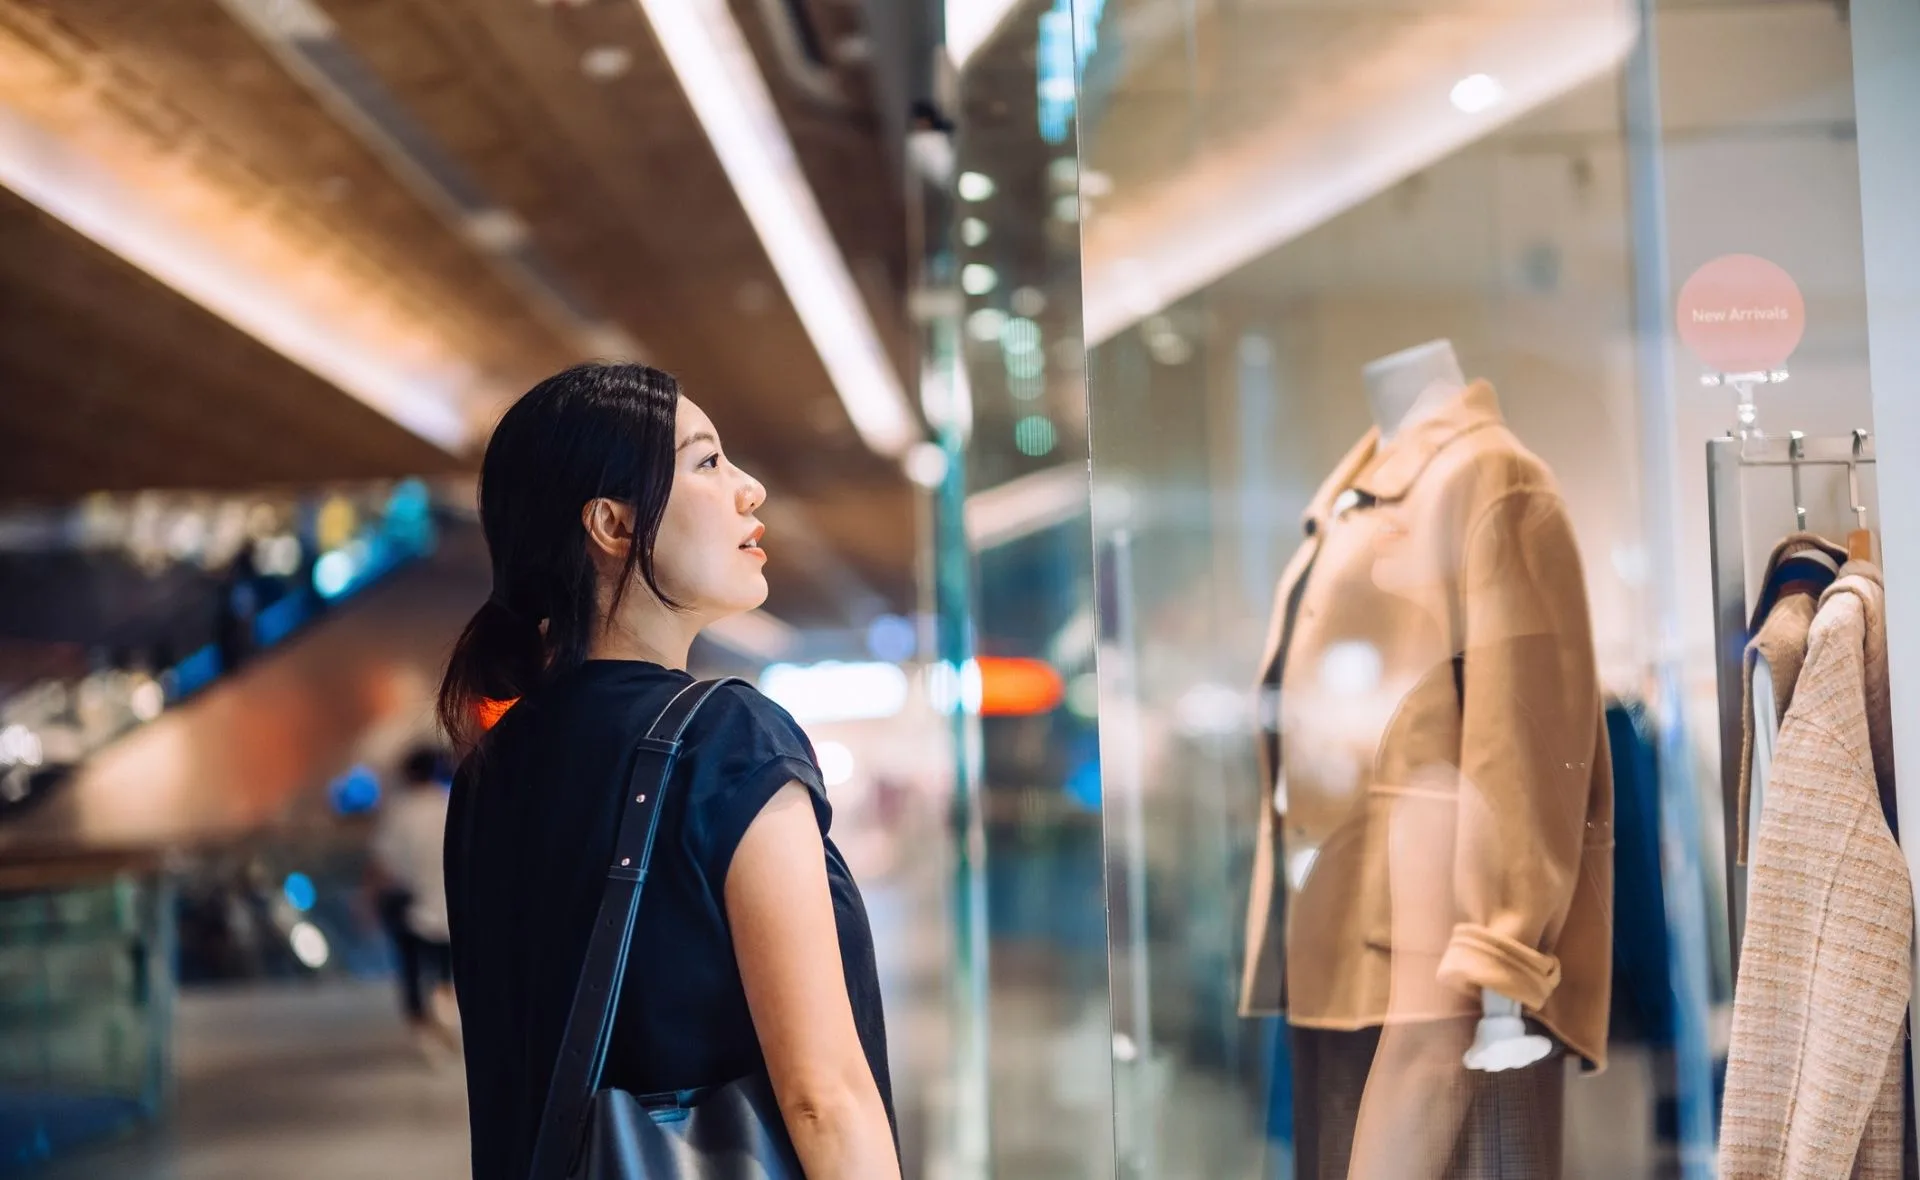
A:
(1408, 385)
(1434, 734)
(1402, 389)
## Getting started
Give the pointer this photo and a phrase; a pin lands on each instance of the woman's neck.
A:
(657, 640)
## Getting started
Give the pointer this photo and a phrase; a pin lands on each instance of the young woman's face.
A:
(708, 555)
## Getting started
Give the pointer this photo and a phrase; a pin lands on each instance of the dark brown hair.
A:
(594, 431)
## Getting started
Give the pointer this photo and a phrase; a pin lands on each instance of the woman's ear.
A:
(609, 525)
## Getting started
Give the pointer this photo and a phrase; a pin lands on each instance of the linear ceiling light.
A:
(716, 68)
(1026, 505)
(77, 190)
(972, 23)
(1238, 203)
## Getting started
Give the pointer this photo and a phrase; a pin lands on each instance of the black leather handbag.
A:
(730, 1132)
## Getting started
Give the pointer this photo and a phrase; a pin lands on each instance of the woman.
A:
(617, 530)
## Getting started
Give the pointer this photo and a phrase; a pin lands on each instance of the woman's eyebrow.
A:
(695, 437)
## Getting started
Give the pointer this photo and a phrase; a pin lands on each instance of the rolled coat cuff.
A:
(1478, 959)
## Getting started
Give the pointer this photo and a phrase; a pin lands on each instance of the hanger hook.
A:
(1854, 501)
(1796, 450)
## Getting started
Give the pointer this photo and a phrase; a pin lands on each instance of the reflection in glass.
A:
(1408, 764)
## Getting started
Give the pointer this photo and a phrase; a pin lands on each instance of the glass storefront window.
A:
(1458, 377)
(1023, 656)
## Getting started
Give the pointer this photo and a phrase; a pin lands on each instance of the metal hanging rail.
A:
(1727, 458)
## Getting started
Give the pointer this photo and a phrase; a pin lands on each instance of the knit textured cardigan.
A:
(1814, 1078)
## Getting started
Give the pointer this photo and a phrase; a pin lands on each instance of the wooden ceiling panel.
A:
(626, 199)
(201, 83)
(627, 210)
(131, 385)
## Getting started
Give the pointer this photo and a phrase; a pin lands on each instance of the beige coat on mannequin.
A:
(1445, 822)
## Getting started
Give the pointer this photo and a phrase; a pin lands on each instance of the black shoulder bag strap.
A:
(596, 998)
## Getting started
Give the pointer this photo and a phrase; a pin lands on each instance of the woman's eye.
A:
(712, 460)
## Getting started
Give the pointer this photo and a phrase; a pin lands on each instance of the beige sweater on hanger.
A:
(1814, 1077)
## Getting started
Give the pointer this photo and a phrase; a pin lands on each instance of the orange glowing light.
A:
(492, 711)
(1018, 688)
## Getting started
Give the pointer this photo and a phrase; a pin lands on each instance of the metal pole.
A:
(1726, 532)
(1686, 892)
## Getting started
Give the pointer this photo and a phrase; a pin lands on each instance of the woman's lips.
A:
(752, 543)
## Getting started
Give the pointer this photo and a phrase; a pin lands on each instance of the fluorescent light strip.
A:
(1237, 204)
(716, 68)
(78, 191)
(1024, 506)
(972, 23)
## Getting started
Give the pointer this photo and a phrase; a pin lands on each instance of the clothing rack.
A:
(1727, 458)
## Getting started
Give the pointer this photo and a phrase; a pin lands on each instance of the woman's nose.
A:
(752, 494)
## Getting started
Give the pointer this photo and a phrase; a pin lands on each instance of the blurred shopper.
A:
(238, 611)
(410, 889)
(618, 529)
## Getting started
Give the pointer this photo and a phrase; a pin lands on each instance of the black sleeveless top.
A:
(529, 838)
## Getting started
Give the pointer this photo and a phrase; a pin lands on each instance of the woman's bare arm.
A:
(784, 937)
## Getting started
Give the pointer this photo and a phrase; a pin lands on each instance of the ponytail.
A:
(499, 657)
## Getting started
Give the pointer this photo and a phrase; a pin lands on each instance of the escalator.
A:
(258, 748)
(218, 837)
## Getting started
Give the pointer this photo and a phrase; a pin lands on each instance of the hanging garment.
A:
(1433, 703)
(1814, 1075)
(1800, 570)
(1642, 965)
(1473, 1126)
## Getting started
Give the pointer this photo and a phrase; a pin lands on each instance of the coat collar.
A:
(1862, 580)
(1396, 465)
(1387, 471)
(1320, 509)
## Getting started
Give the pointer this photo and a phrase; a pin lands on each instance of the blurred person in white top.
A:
(406, 874)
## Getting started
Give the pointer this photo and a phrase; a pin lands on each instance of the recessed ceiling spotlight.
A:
(603, 63)
(853, 49)
(986, 324)
(497, 230)
(974, 231)
(926, 464)
(977, 278)
(975, 186)
(610, 342)
(1477, 92)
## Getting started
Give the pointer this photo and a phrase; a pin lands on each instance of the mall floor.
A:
(296, 1082)
(320, 1080)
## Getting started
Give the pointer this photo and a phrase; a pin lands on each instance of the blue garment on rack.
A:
(1279, 1100)
(1643, 1003)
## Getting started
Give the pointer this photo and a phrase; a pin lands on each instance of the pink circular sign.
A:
(1741, 313)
